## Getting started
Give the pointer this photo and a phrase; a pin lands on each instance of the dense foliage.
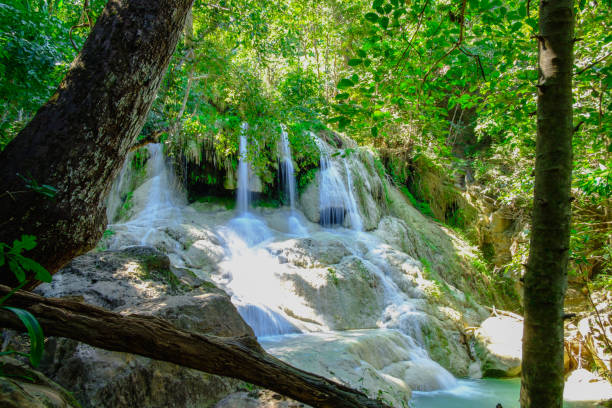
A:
(444, 88)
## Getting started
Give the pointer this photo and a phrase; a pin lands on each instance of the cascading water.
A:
(242, 202)
(157, 202)
(283, 286)
(336, 203)
(288, 177)
(249, 269)
(356, 222)
(161, 204)
(263, 284)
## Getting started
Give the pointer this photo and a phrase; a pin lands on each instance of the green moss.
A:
(331, 276)
(126, 206)
(156, 268)
(267, 202)
(228, 202)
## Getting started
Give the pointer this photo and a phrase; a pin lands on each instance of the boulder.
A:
(258, 399)
(138, 280)
(583, 385)
(320, 251)
(499, 346)
(21, 386)
(309, 201)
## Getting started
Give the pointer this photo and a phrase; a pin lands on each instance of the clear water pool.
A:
(486, 393)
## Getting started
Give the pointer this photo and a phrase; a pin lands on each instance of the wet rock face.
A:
(138, 280)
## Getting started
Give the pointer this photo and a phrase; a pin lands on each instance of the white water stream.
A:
(288, 177)
(336, 202)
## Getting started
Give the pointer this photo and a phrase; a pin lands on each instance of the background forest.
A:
(432, 103)
(442, 91)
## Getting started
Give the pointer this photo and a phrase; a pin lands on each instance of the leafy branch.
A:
(19, 265)
(455, 46)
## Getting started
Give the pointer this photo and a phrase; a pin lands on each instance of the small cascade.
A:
(242, 202)
(249, 270)
(157, 203)
(162, 202)
(287, 171)
(336, 203)
(356, 221)
(288, 177)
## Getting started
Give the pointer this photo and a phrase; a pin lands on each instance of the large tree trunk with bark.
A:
(79, 139)
(546, 275)
(238, 357)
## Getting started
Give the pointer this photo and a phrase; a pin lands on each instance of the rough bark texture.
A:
(79, 139)
(238, 357)
(546, 275)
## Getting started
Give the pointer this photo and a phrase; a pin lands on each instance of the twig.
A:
(455, 46)
(418, 27)
(82, 23)
(598, 60)
(478, 62)
(585, 279)
(504, 312)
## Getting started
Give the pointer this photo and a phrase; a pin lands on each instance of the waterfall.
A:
(356, 222)
(242, 203)
(288, 177)
(155, 204)
(275, 295)
(336, 203)
(250, 271)
(287, 171)
(161, 204)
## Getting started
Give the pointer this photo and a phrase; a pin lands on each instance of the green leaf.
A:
(384, 22)
(31, 265)
(16, 269)
(371, 17)
(610, 148)
(27, 242)
(345, 83)
(354, 62)
(37, 339)
(377, 3)
(374, 131)
(342, 96)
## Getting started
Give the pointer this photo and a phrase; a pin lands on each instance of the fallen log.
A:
(149, 336)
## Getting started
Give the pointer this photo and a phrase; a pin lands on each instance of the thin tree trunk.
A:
(79, 139)
(149, 336)
(546, 274)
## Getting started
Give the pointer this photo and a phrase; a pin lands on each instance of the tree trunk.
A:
(546, 275)
(79, 139)
(149, 336)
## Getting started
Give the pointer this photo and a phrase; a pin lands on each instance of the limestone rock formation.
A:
(499, 347)
(138, 280)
